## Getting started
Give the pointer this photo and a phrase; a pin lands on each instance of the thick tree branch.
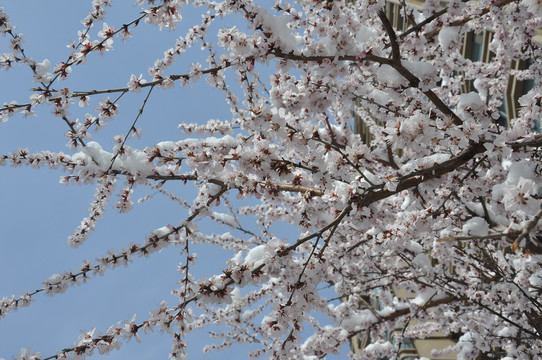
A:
(395, 52)
(417, 177)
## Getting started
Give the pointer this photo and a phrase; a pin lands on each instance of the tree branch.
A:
(466, 19)
(395, 52)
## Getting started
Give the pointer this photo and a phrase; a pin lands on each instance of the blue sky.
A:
(37, 213)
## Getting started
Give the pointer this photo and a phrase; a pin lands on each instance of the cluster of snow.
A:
(476, 226)
(389, 76)
(448, 37)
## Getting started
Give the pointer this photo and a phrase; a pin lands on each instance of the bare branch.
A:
(395, 52)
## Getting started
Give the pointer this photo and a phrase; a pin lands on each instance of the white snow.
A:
(246, 315)
(476, 226)
(278, 25)
(380, 97)
(423, 263)
(225, 218)
(132, 161)
(466, 345)
(162, 232)
(494, 216)
(390, 77)
(379, 347)
(533, 6)
(256, 255)
(471, 99)
(507, 332)
(421, 69)
(43, 67)
(469, 104)
(238, 258)
(482, 90)
(526, 99)
(448, 36)
(98, 154)
(358, 320)
(386, 311)
(518, 170)
(536, 279)
(520, 174)
(365, 35)
(432, 160)
(414, 247)
(235, 295)
(423, 297)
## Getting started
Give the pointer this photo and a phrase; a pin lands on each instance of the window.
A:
(475, 53)
(475, 48)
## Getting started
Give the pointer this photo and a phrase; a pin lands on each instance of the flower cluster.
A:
(103, 193)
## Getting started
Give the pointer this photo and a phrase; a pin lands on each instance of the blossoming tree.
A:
(432, 227)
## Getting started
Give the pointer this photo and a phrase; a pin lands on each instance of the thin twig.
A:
(132, 128)
(419, 26)
(319, 233)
